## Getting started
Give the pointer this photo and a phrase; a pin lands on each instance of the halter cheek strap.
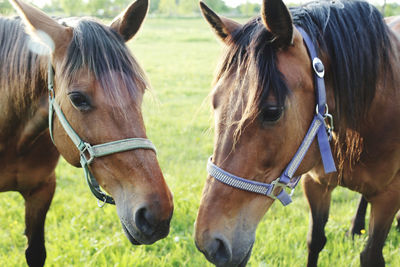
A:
(88, 152)
(322, 107)
(321, 127)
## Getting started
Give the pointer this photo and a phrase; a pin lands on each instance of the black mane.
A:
(356, 39)
(351, 33)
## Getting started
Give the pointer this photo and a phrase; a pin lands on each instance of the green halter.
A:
(87, 151)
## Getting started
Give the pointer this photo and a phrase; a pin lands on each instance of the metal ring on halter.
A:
(326, 113)
(328, 120)
(326, 116)
(101, 204)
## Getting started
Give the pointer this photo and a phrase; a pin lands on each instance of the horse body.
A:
(99, 87)
(264, 100)
(376, 175)
(25, 141)
(27, 156)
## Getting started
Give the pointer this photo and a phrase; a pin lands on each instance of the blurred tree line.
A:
(111, 8)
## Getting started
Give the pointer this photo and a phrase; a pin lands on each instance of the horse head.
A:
(264, 103)
(98, 88)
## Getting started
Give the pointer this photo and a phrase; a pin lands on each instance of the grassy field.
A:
(179, 56)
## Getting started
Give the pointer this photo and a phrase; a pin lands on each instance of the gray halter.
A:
(89, 152)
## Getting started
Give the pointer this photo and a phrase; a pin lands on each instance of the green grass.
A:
(179, 56)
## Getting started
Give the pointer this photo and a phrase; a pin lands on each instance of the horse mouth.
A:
(130, 237)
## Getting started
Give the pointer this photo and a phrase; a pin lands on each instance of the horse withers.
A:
(311, 92)
(95, 116)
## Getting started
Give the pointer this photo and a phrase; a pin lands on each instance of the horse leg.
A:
(383, 209)
(398, 221)
(37, 203)
(358, 222)
(319, 198)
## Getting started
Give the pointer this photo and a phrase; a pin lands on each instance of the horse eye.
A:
(272, 113)
(79, 101)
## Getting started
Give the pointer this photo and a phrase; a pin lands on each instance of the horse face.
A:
(252, 142)
(133, 178)
(99, 87)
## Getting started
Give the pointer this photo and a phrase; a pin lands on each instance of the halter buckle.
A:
(328, 120)
(274, 185)
(87, 149)
(51, 93)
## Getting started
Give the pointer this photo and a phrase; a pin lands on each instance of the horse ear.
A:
(223, 27)
(41, 26)
(278, 21)
(128, 22)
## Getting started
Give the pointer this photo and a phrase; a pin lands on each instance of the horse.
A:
(309, 92)
(72, 88)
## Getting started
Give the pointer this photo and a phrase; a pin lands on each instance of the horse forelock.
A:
(250, 57)
(102, 52)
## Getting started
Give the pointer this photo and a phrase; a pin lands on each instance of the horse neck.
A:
(382, 120)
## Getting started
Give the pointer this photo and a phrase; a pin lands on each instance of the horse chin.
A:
(243, 263)
(240, 262)
(129, 236)
(137, 238)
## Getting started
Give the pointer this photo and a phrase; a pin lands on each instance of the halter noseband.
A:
(319, 128)
(88, 152)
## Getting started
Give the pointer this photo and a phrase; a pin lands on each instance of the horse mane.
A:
(356, 39)
(103, 52)
(21, 74)
(353, 37)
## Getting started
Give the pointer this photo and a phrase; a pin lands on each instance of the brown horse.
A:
(99, 87)
(264, 102)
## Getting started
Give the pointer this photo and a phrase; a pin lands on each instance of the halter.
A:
(89, 152)
(321, 128)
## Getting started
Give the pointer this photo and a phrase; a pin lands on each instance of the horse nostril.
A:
(143, 223)
(220, 252)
